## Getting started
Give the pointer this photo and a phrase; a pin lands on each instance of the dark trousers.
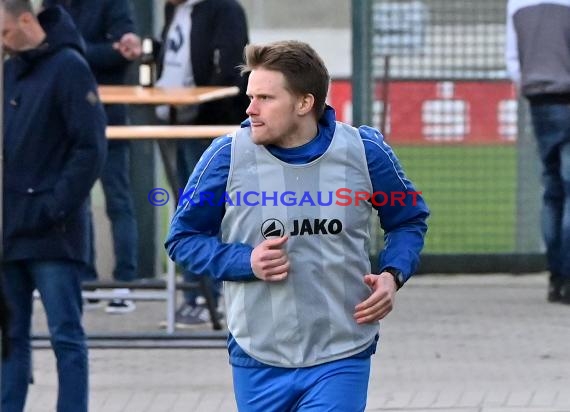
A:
(58, 282)
(119, 206)
(551, 124)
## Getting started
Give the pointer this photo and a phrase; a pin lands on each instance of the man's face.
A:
(14, 34)
(272, 109)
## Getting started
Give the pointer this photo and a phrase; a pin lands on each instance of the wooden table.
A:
(168, 132)
(172, 97)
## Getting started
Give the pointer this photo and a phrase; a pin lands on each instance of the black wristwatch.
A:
(398, 276)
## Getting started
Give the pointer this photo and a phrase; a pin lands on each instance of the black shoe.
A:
(554, 286)
(564, 292)
(120, 306)
(192, 316)
(90, 304)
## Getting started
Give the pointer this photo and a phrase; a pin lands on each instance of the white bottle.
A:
(147, 65)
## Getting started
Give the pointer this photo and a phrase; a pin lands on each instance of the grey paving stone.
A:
(162, 402)
(544, 398)
(520, 398)
(497, 397)
(447, 399)
(399, 400)
(186, 402)
(471, 398)
(523, 409)
(423, 399)
(115, 401)
(140, 402)
(488, 343)
(563, 399)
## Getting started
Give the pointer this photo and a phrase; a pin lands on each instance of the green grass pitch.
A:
(471, 191)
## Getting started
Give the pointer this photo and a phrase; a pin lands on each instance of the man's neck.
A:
(37, 36)
(39, 39)
(306, 132)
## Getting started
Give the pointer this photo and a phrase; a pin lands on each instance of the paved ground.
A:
(454, 344)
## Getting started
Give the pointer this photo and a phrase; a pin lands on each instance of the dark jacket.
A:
(102, 22)
(218, 36)
(54, 145)
(4, 321)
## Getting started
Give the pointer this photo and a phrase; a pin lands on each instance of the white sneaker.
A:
(119, 306)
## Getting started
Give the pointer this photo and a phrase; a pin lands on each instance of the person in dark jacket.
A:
(202, 45)
(4, 322)
(54, 151)
(107, 27)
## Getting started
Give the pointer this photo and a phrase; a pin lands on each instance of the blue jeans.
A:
(551, 124)
(188, 153)
(334, 386)
(121, 212)
(58, 282)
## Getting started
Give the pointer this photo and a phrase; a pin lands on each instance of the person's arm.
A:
(227, 42)
(194, 237)
(403, 222)
(106, 54)
(511, 47)
(84, 131)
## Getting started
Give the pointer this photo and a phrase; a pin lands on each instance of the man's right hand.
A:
(269, 260)
(129, 46)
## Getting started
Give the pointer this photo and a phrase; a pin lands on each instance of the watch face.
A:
(400, 277)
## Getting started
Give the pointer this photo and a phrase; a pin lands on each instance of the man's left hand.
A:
(380, 302)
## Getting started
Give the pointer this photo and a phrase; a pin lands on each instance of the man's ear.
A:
(26, 18)
(305, 104)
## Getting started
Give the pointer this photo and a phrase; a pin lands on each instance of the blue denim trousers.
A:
(58, 282)
(551, 124)
(188, 152)
(115, 180)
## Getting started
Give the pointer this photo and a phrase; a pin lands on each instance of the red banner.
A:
(420, 112)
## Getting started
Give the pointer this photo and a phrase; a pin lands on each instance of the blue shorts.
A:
(334, 386)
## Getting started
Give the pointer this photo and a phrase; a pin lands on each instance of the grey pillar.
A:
(529, 190)
(143, 164)
(362, 85)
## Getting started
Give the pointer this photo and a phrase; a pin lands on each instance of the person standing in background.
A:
(108, 29)
(54, 151)
(202, 45)
(538, 61)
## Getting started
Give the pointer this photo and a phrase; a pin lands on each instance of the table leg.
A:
(168, 153)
